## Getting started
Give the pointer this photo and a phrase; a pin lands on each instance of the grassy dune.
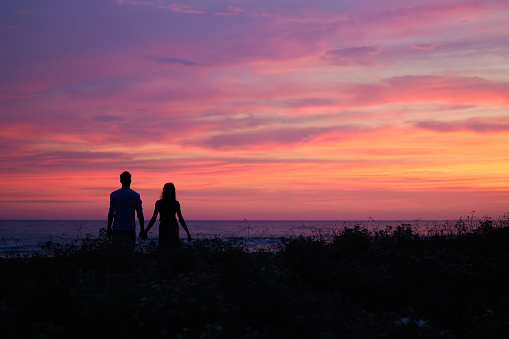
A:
(391, 283)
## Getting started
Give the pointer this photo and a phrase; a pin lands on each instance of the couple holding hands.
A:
(124, 202)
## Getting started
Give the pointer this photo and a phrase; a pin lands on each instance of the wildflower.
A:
(420, 323)
(402, 321)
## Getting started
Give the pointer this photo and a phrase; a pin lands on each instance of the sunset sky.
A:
(266, 109)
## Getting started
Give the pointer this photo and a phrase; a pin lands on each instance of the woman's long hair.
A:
(168, 194)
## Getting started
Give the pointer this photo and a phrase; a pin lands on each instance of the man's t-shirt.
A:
(123, 203)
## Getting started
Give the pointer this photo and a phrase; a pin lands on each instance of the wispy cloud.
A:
(231, 11)
(478, 31)
(478, 124)
(166, 60)
(363, 56)
(426, 47)
(164, 5)
(184, 9)
(454, 90)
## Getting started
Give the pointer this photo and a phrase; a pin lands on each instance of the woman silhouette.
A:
(167, 207)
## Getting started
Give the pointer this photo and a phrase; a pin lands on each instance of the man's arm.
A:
(142, 224)
(110, 222)
(110, 215)
(139, 212)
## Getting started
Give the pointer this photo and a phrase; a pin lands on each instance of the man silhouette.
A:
(123, 203)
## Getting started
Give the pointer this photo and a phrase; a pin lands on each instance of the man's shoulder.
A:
(116, 192)
(125, 190)
(134, 192)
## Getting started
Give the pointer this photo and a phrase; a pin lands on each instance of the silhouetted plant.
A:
(485, 226)
(352, 239)
(390, 283)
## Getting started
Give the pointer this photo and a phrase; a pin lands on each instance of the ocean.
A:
(27, 236)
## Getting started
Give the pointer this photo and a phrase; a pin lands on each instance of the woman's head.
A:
(169, 192)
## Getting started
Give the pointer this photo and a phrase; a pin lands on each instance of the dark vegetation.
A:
(390, 283)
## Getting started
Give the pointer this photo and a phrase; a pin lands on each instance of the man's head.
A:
(125, 178)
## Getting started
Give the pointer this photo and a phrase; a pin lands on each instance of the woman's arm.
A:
(153, 220)
(183, 222)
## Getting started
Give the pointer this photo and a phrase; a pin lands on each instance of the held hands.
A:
(143, 235)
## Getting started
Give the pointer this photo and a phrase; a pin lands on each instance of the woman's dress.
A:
(168, 225)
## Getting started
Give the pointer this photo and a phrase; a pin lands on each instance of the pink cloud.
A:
(425, 11)
(426, 47)
(444, 89)
(138, 127)
(401, 21)
(478, 31)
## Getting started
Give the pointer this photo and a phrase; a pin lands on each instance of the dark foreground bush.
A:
(390, 284)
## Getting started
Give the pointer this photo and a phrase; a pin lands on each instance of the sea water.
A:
(26, 236)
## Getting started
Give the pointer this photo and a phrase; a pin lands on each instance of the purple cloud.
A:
(68, 155)
(162, 5)
(231, 11)
(363, 56)
(165, 60)
(292, 135)
(254, 138)
(480, 125)
(309, 102)
(107, 118)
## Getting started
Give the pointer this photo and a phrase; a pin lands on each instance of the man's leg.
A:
(124, 239)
